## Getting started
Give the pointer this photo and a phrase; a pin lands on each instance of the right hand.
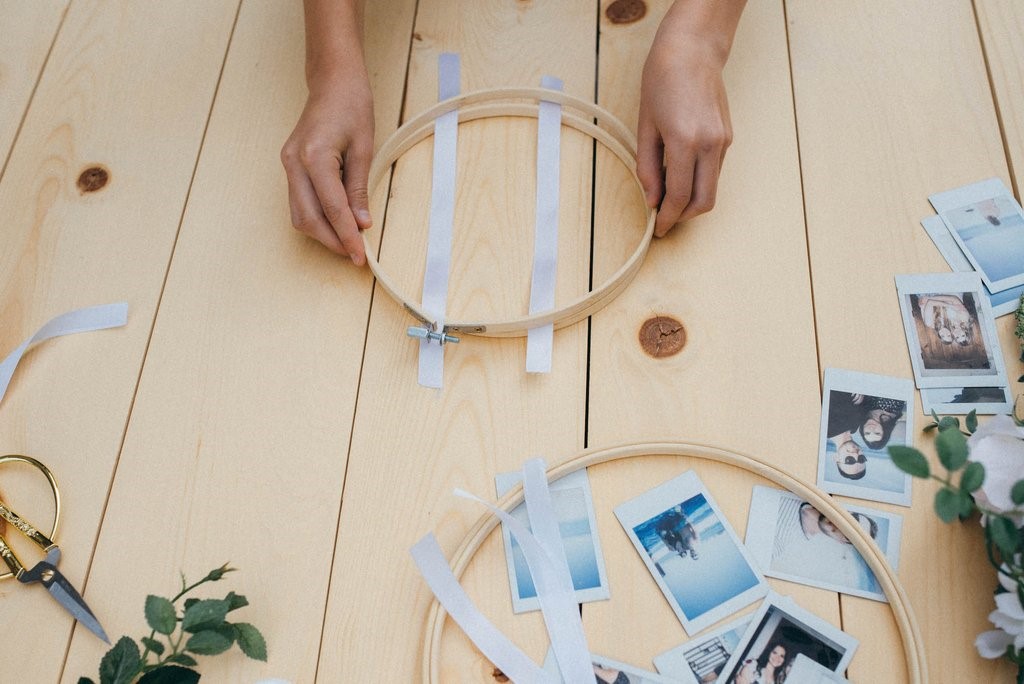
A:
(327, 159)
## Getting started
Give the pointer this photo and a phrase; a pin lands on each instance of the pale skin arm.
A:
(327, 157)
(684, 127)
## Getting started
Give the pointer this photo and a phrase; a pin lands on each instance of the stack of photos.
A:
(779, 632)
(951, 335)
(702, 659)
(691, 551)
(791, 540)
(862, 415)
(608, 671)
(574, 507)
(978, 228)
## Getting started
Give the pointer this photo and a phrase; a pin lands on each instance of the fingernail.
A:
(363, 214)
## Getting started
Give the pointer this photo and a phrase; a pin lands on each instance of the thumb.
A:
(355, 177)
(649, 153)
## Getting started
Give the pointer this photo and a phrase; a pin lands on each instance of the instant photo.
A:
(862, 415)
(988, 225)
(806, 671)
(608, 671)
(791, 540)
(574, 507)
(779, 632)
(950, 331)
(702, 659)
(986, 401)
(1002, 303)
(692, 552)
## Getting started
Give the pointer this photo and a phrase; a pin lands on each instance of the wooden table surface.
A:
(261, 408)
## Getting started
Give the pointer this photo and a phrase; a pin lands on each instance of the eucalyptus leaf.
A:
(951, 446)
(183, 659)
(949, 423)
(160, 615)
(236, 601)
(189, 602)
(204, 615)
(1017, 493)
(170, 674)
(85, 680)
(1004, 534)
(208, 642)
(930, 426)
(910, 461)
(972, 477)
(251, 641)
(153, 645)
(947, 504)
(972, 421)
(121, 663)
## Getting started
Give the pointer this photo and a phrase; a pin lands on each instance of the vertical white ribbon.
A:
(505, 655)
(442, 215)
(539, 341)
(77, 321)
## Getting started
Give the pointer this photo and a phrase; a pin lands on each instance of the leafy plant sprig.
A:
(202, 629)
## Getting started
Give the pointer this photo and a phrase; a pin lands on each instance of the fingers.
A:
(355, 176)
(679, 168)
(325, 174)
(649, 153)
(306, 214)
(692, 168)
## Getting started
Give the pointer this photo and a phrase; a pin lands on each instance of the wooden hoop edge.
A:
(899, 603)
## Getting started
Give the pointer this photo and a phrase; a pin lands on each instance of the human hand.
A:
(327, 160)
(684, 128)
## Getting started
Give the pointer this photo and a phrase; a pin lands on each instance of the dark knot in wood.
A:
(93, 179)
(662, 336)
(626, 11)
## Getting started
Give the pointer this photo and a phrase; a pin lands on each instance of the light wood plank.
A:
(245, 407)
(874, 144)
(29, 30)
(69, 403)
(737, 279)
(411, 445)
(1002, 25)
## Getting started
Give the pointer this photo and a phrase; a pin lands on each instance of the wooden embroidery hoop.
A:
(913, 648)
(517, 102)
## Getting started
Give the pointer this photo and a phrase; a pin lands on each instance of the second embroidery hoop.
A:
(516, 102)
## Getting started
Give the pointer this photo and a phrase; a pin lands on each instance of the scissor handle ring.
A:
(17, 458)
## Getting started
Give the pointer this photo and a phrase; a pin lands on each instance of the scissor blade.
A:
(67, 596)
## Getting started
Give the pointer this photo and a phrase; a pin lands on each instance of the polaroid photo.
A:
(701, 660)
(985, 401)
(807, 671)
(574, 507)
(950, 331)
(780, 631)
(608, 671)
(1002, 303)
(863, 414)
(692, 552)
(791, 540)
(988, 224)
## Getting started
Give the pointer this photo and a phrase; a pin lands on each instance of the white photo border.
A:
(667, 660)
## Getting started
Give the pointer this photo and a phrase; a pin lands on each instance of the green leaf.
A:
(189, 602)
(170, 674)
(1017, 493)
(951, 446)
(121, 663)
(208, 642)
(972, 421)
(949, 423)
(1004, 534)
(972, 477)
(947, 504)
(85, 680)
(1021, 378)
(203, 615)
(183, 659)
(251, 641)
(910, 461)
(930, 426)
(935, 416)
(153, 645)
(160, 615)
(236, 601)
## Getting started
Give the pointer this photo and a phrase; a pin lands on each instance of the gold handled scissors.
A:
(45, 571)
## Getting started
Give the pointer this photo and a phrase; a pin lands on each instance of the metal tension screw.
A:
(430, 335)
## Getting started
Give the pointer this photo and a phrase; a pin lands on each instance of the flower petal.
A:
(1008, 604)
(997, 425)
(1003, 458)
(992, 644)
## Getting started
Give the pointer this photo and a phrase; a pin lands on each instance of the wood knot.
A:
(662, 336)
(499, 675)
(93, 179)
(626, 11)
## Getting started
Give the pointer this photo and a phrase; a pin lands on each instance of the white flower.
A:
(1008, 617)
(999, 446)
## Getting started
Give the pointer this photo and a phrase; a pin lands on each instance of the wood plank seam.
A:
(152, 323)
(995, 101)
(32, 95)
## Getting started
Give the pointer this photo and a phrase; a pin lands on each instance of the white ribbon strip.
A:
(78, 321)
(442, 215)
(570, 644)
(505, 655)
(539, 341)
